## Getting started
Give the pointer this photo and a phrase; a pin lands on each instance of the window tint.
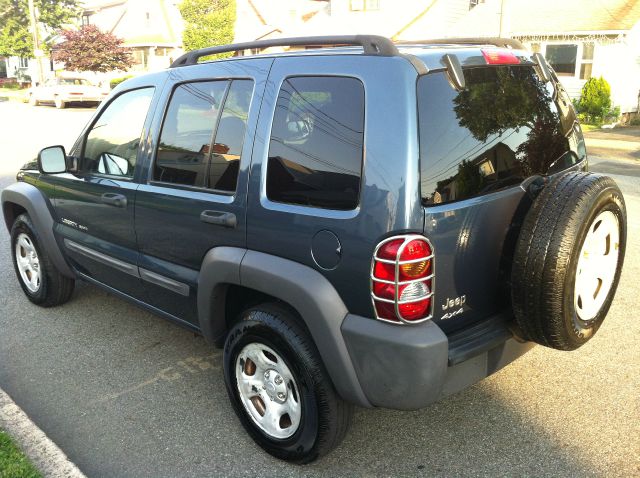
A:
(315, 152)
(113, 142)
(227, 146)
(186, 133)
(505, 126)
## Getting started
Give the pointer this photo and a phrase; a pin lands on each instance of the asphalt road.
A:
(126, 394)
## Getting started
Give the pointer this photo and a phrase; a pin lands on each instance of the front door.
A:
(95, 202)
(194, 196)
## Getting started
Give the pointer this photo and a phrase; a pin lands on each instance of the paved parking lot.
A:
(126, 394)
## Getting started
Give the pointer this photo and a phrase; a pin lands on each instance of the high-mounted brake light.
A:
(402, 279)
(500, 57)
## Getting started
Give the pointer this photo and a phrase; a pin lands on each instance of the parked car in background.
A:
(62, 91)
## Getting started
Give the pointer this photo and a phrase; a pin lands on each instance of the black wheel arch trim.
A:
(39, 208)
(303, 288)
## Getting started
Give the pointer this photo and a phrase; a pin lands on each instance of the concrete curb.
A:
(43, 453)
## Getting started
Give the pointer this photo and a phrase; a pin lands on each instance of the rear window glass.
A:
(505, 126)
(315, 152)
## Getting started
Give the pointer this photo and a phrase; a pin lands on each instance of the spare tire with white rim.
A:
(568, 260)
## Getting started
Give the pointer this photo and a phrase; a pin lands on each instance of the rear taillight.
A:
(402, 279)
(500, 57)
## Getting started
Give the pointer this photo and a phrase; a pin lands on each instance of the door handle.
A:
(112, 199)
(219, 218)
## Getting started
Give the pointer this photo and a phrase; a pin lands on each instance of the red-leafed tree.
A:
(89, 49)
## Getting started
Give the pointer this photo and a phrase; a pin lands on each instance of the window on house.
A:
(316, 146)
(563, 58)
(85, 20)
(364, 5)
(23, 62)
(586, 64)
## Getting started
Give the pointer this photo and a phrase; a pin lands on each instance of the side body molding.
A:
(305, 289)
(39, 209)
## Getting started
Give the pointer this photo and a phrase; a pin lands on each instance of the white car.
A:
(60, 91)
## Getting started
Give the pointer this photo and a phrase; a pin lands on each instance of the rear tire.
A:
(320, 423)
(41, 282)
(568, 260)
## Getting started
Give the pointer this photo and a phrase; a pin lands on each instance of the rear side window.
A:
(505, 126)
(114, 139)
(203, 133)
(316, 146)
(227, 146)
(186, 133)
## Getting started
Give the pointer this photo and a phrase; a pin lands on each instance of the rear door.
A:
(193, 196)
(478, 147)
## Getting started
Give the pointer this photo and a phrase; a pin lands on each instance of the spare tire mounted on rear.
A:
(568, 260)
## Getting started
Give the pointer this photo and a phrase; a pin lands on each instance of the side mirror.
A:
(52, 160)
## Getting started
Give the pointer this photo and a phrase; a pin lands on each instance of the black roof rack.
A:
(495, 41)
(371, 44)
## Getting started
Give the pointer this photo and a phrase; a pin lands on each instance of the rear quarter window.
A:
(316, 145)
(505, 126)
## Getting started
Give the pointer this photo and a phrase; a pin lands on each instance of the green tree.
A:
(208, 23)
(595, 99)
(15, 37)
(89, 49)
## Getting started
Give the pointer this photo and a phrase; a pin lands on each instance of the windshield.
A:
(505, 126)
(73, 82)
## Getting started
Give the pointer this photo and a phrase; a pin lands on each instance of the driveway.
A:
(126, 394)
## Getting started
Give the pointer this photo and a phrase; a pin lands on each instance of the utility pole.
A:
(38, 53)
(503, 22)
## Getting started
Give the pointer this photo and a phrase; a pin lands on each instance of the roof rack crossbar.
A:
(371, 44)
(495, 41)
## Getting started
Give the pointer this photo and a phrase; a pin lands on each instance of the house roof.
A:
(137, 22)
(522, 17)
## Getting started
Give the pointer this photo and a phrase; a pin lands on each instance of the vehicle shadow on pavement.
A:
(125, 393)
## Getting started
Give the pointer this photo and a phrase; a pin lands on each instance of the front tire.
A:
(279, 387)
(41, 282)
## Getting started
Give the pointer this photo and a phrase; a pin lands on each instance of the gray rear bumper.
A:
(409, 367)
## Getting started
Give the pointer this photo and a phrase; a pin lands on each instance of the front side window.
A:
(112, 143)
(203, 134)
(316, 146)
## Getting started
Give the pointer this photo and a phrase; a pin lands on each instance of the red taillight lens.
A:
(384, 290)
(386, 310)
(384, 271)
(500, 57)
(389, 250)
(405, 296)
(414, 310)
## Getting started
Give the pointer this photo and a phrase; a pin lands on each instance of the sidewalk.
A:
(617, 143)
(41, 451)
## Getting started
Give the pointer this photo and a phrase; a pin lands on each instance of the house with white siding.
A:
(397, 19)
(580, 39)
